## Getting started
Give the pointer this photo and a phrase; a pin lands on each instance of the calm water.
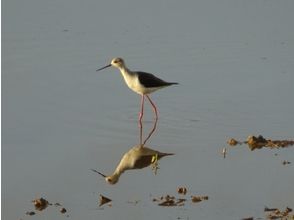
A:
(234, 63)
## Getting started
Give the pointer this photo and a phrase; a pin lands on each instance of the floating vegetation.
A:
(198, 198)
(41, 204)
(233, 142)
(30, 213)
(103, 200)
(169, 201)
(258, 142)
(172, 201)
(285, 162)
(63, 210)
(250, 218)
(182, 190)
(275, 213)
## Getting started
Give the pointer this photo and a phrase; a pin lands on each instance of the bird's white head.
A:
(112, 179)
(117, 62)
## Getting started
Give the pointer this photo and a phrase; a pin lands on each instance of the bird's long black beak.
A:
(99, 173)
(109, 65)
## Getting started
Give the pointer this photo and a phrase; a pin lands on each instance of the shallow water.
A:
(60, 118)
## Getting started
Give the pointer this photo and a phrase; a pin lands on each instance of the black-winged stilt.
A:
(140, 82)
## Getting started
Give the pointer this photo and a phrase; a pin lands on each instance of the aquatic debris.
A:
(171, 201)
(196, 199)
(103, 200)
(275, 213)
(279, 143)
(278, 214)
(182, 190)
(135, 202)
(40, 204)
(250, 218)
(224, 152)
(30, 213)
(63, 210)
(285, 162)
(233, 142)
(258, 142)
(266, 209)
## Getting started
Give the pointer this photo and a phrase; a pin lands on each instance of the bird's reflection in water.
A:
(150, 133)
(137, 157)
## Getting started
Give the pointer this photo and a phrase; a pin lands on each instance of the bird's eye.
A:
(115, 61)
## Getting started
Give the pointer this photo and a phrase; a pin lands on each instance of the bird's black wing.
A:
(149, 80)
(146, 160)
(143, 161)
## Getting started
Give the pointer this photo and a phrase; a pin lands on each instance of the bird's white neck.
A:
(116, 175)
(128, 76)
(125, 71)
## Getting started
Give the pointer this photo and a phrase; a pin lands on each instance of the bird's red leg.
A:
(151, 132)
(141, 132)
(154, 107)
(140, 118)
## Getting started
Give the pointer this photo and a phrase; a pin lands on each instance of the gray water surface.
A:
(60, 118)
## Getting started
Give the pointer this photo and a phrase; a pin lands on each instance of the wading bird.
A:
(140, 82)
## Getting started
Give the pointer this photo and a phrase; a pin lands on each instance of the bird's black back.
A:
(146, 160)
(149, 80)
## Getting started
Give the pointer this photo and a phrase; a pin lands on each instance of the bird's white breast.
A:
(132, 81)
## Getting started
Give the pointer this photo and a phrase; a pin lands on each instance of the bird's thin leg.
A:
(151, 132)
(142, 110)
(154, 107)
(141, 132)
(140, 118)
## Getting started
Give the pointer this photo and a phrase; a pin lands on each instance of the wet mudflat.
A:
(60, 118)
